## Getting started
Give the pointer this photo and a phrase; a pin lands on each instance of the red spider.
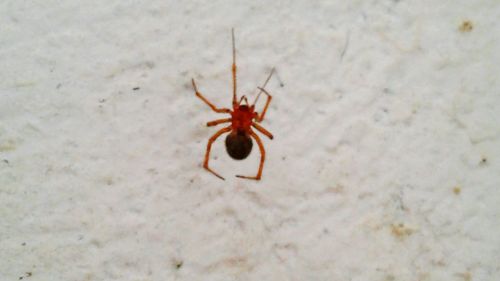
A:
(243, 118)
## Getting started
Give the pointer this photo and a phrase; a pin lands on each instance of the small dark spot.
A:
(6, 161)
(58, 86)
(484, 160)
(283, 158)
(191, 180)
(23, 244)
(179, 264)
(102, 100)
(279, 79)
(136, 88)
(152, 171)
(28, 274)
(466, 26)
(21, 278)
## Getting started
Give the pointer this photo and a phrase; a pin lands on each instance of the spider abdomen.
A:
(238, 145)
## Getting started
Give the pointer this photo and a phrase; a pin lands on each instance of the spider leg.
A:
(218, 121)
(233, 68)
(262, 130)
(212, 106)
(209, 146)
(269, 97)
(264, 85)
(262, 158)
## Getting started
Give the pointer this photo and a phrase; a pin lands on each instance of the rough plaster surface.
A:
(385, 163)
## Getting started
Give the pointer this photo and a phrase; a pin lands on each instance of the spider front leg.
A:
(212, 106)
(262, 158)
(268, 101)
(209, 146)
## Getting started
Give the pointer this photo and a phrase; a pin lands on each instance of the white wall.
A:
(385, 163)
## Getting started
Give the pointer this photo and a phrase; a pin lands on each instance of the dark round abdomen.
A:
(238, 145)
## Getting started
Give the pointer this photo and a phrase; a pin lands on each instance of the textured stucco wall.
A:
(385, 163)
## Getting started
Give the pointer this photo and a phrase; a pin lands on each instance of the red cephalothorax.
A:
(243, 119)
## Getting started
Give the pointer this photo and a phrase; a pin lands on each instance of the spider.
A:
(243, 118)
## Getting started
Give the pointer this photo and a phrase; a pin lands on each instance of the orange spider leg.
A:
(262, 157)
(218, 121)
(213, 107)
(264, 85)
(234, 69)
(209, 146)
(269, 97)
(262, 130)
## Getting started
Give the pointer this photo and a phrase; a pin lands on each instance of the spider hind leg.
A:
(262, 158)
(209, 147)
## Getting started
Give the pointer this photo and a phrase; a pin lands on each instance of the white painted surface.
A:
(376, 171)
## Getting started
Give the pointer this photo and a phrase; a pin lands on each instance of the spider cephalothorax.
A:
(243, 119)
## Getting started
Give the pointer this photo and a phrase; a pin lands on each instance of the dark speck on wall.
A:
(27, 274)
(466, 26)
(136, 88)
(484, 161)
